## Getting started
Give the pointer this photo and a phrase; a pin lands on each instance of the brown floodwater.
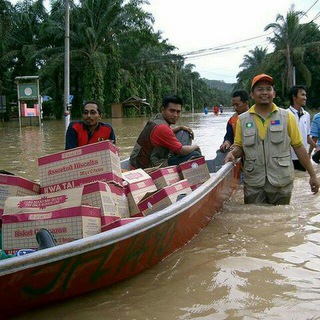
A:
(250, 262)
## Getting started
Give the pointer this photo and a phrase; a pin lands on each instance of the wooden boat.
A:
(61, 272)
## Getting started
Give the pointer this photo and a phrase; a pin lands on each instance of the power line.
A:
(311, 7)
(316, 16)
(221, 47)
(226, 47)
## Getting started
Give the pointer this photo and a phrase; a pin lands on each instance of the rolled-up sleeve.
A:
(238, 137)
(294, 131)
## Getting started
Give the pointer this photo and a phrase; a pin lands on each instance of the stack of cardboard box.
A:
(84, 192)
(62, 213)
(72, 204)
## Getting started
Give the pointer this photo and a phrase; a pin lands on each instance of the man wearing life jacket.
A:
(157, 144)
(240, 102)
(90, 129)
(264, 135)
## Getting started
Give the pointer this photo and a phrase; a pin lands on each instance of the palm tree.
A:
(24, 45)
(94, 41)
(5, 27)
(253, 63)
(289, 47)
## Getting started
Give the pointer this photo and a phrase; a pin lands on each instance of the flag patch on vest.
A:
(249, 125)
(275, 122)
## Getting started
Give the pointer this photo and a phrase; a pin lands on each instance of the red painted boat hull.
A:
(65, 271)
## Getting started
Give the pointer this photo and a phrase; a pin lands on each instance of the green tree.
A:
(253, 63)
(22, 51)
(5, 28)
(290, 47)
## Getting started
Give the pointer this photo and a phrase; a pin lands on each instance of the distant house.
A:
(123, 108)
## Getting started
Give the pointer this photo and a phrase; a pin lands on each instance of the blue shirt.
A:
(315, 127)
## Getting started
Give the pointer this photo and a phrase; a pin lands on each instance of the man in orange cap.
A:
(264, 135)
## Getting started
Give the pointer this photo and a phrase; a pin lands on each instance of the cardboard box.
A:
(44, 202)
(11, 185)
(195, 171)
(137, 184)
(117, 223)
(163, 177)
(75, 167)
(61, 213)
(106, 220)
(164, 197)
(120, 198)
(110, 198)
(66, 225)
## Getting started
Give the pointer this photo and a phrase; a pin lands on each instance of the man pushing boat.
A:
(264, 134)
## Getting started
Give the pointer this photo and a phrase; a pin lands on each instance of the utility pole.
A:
(67, 66)
(192, 106)
(175, 77)
(294, 76)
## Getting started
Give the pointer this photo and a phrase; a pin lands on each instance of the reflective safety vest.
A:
(145, 154)
(269, 158)
(103, 132)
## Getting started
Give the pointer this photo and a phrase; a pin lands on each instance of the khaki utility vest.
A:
(145, 154)
(269, 158)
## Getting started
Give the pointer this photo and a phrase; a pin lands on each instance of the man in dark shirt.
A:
(240, 103)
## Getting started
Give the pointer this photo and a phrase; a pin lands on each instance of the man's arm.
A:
(313, 144)
(178, 128)
(187, 149)
(164, 136)
(237, 151)
(228, 138)
(305, 161)
(187, 129)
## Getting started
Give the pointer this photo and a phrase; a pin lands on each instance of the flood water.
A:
(250, 262)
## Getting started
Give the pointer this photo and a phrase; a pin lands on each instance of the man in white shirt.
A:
(298, 100)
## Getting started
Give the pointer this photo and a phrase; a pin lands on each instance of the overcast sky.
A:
(193, 25)
(205, 24)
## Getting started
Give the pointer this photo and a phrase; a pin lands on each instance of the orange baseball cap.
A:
(260, 77)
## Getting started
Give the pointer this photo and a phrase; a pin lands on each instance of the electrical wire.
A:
(227, 47)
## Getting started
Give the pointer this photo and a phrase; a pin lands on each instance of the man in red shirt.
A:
(157, 144)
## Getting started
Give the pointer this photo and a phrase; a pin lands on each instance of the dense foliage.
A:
(115, 54)
(295, 59)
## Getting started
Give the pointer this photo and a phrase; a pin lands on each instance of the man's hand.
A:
(184, 128)
(314, 183)
(230, 158)
(225, 146)
(189, 130)
(233, 155)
